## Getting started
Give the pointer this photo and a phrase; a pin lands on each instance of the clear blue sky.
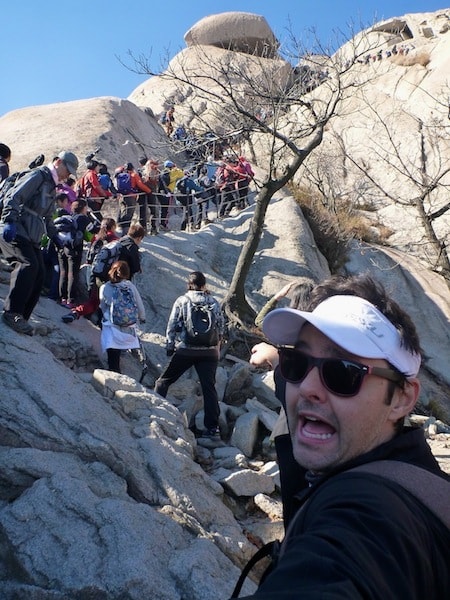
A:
(60, 51)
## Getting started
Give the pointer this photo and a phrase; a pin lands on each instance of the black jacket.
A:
(130, 253)
(361, 536)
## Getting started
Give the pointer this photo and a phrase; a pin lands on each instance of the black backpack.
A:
(93, 250)
(181, 186)
(10, 181)
(201, 323)
(103, 260)
(68, 232)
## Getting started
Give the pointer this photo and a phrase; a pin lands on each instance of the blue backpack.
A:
(123, 307)
(105, 181)
(124, 183)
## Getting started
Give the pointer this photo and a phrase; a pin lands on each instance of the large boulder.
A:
(238, 31)
(121, 129)
(202, 67)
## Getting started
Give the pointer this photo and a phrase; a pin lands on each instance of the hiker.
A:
(127, 250)
(70, 252)
(185, 351)
(166, 187)
(226, 177)
(27, 214)
(150, 176)
(129, 185)
(245, 175)
(5, 157)
(89, 188)
(183, 190)
(50, 251)
(144, 200)
(169, 120)
(105, 180)
(122, 307)
(68, 187)
(208, 195)
(350, 364)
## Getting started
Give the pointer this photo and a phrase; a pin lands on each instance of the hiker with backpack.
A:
(166, 189)
(106, 249)
(184, 189)
(89, 188)
(50, 251)
(105, 180)
(365, 502)
(28, 209)
(150, 176)
(73, 230)
(194, 332)
(122, 308)
(129, 184)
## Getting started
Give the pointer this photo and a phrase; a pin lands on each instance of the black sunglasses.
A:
(340, 376)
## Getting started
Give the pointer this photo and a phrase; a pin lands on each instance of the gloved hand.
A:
(9, 232)
(170, 350)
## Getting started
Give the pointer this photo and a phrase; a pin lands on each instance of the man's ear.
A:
(404, 400)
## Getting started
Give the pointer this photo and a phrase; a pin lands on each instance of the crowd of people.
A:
(345, 358)
(158, 189)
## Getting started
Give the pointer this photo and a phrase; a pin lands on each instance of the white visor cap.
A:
(350, 322)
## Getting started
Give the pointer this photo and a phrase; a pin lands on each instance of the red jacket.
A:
(91, 187)
(138, 184)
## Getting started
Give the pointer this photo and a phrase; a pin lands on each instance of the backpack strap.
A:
(430, 489)
(268, 550)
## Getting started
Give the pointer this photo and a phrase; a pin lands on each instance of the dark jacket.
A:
(361, 536)
(130, 254)
(30, 205)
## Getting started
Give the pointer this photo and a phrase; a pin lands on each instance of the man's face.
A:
(328, 430)
(62, 170)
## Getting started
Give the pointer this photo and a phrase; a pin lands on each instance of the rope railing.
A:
(193, 212)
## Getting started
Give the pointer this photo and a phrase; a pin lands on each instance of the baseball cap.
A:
(70, 160)
(350, 322)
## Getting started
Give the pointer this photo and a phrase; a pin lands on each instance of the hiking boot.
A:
(69, 318)
(67, 304)
(17, 322)
(211, 434)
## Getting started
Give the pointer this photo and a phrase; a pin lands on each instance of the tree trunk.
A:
(235, 303)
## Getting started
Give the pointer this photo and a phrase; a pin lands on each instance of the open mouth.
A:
(314, 429)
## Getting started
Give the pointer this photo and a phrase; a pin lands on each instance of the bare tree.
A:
(279, 111)
(405, 162)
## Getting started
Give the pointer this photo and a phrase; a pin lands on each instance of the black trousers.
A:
(143, 202)
(205, 362)
(69, 270)
(113, 355)
(27, 277)
(126, 212)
